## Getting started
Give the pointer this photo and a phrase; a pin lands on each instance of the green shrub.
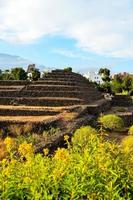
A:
(35, 74)
(82, 136)
(68, 69)
(130, 132)
(111, 122)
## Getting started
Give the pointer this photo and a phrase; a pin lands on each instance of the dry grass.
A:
(17, 130)
(27, 128)
(3, 151)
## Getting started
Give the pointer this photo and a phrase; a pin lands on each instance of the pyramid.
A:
(58, 88)
(24, 101)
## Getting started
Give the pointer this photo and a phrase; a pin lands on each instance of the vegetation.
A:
(116, 85)
(18, 73)
(127, 83)
(105, 74)
(127, 145)
(90, 168)
(111, 122)
(17, 130)
(6, 75)
(35, 74)
(130, 132)
(105, 87)
(68, 69)
(120, 83)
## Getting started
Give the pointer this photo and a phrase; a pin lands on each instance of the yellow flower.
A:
(6, 171)
(58, 173)
(66, 137)
(27, 180)
(13, 161)
(61, 154)
(4, 161)
(25, 149)
(45, 151)
(9, 143)
(127, 144)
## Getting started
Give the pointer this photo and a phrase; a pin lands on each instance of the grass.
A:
(18, 130)
(3, 151)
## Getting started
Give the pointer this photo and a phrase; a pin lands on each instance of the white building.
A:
(94, 77)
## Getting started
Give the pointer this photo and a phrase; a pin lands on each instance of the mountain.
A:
(9, 61)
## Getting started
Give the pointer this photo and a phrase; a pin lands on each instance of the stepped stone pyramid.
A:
(26, 99)
(58, 88)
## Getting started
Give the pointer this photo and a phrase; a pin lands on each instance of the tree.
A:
(127, 83)
(105, 74)
(105, 87)
(6, 75)
(116, 87)
(0, 74)
(35, 74)
(116, 84)
(18, 73)
(118, 78)
(68, 69)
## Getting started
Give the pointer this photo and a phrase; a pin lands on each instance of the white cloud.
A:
(100, 26)
(71, 54)
(7, 60)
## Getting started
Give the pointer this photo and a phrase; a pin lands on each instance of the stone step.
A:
(9, 93)
(122, 100)
(38, 93)
(65, 75)
(37, 121)
(25, 112)
(66, 79)
(70, 94)
(42, 101)
(63, 72)
(4, 88)
(55, 82)
(58, 88)
(13, 82)
(99, 106)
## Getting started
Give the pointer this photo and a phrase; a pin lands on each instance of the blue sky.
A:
(84, 34)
